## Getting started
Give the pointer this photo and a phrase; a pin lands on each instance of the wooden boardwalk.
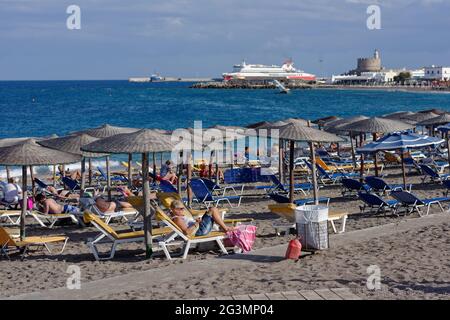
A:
(320, 294)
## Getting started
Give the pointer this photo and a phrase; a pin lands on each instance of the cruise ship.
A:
(287, 71)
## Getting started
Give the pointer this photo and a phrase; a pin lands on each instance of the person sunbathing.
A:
(111, 206)
(65, 194)
(200, 226)
(50, 206)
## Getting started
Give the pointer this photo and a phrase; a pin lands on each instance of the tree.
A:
(402, 77)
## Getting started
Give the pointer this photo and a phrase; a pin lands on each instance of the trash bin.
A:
(312, 227)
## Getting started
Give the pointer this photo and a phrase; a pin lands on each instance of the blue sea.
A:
(41, 108)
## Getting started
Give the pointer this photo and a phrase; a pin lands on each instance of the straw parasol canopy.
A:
(306, 134)
(376, 125)
(142, 141)
(434, 110)
(29, 153)
(296, 121)
(72, 144)
(335, 126)
(398, 115)
(442, 119)
(323, 121)
(257, 124)
(419, 117)
(6, 142)
(106, 130)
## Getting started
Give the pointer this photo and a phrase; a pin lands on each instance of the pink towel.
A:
(243, 236)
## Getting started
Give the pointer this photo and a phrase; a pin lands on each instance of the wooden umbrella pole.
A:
(403, 169)
(353, 151)
(314, 176)
(291, 171)
(154, 165)
(180, 172)
(448, 148)
(130, 159)
(33, 184)
(188, 180)
(361, 173)
(375, 156)
(23, 213)
(8, 173)
(54, 176)
(83, 176)
(90, 172)
(217, 168)
(108, 179)
(210, 165)
(147, 207)
(280, 160)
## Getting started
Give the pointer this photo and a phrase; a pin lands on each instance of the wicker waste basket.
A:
(312, 227)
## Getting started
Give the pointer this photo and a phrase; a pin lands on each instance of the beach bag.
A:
(243, 236)
(294, 249)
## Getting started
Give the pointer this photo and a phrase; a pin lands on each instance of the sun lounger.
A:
(352, 187)
(167, 198)
(48, 220)
(374, 201)
(7, 241)
(327, 178)
(167, 240)
(205, 196)
(11, 217)
(411, 203)
(380, 186)
(109, 235)
(222, 190)
(429, 172)
(113, 178)
(123, 214)
(278, 187)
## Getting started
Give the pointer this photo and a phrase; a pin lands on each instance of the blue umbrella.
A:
(401, 141)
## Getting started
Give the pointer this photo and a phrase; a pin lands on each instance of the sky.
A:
(204, 38)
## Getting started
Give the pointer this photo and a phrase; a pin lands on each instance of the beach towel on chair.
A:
(243, 236)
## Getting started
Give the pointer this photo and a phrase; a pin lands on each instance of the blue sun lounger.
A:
(429, 172)
(218, 190)
(352, 187)
(205, 196)
(278, 187)
(374, 201)
(411, 203)
(381, 186)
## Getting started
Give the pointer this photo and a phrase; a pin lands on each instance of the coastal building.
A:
(385, 76)
(369, 64)
(437, 73)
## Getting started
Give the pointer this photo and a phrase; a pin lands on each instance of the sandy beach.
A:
(413, 263)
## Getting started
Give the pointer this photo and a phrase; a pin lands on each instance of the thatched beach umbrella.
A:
(375, 125)
(323, 121)
(335, 127)
(105, 131)
(29, 153)
(434, 110)
(73, 144)
(398, 115)
(297, 133)
(143, 141)
(419, 117)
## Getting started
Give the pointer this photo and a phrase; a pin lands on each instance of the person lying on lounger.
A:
(110, 206)
(199, 227)
(50, 206)
(63, 193)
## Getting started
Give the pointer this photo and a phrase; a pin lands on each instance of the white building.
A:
(437, 73)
